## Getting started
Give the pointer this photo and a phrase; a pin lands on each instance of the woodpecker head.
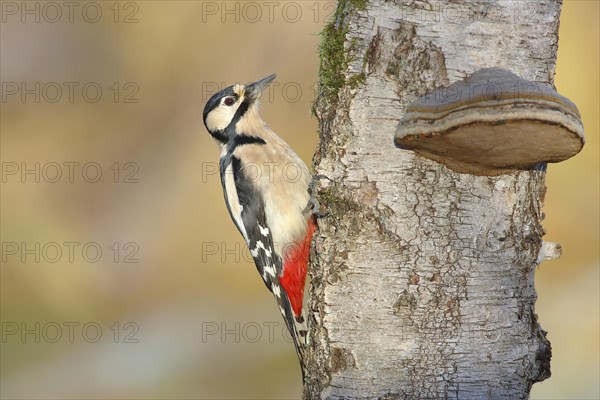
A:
(231, 105)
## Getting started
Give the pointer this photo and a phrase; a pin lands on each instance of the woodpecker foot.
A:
(313, 182)
(314, 208)
(313, 204)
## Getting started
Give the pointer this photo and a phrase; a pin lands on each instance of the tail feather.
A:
(297, 325)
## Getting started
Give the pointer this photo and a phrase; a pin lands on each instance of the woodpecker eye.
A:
(229, 101)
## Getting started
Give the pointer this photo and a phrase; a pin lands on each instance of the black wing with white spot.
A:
(254, 222)
(260, 241)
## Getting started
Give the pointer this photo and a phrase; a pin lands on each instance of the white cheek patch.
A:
(220, 117)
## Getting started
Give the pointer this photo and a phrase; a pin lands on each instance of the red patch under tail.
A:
(294, 269)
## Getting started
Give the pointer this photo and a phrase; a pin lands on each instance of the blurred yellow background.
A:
(115, 237)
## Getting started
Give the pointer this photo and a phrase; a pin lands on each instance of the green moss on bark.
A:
(334, 58)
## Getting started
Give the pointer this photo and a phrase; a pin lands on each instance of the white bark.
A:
(423, 278)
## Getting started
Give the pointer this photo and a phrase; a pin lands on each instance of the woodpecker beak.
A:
(253, 90)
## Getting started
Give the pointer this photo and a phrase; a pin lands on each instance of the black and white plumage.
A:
(269, 206)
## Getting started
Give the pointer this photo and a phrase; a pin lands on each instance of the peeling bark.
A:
(422, 278)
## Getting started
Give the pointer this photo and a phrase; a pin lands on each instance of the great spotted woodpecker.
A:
(266, 188)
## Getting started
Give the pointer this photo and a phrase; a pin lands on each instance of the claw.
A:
(314, 207)
(314, 180)
(313, 204)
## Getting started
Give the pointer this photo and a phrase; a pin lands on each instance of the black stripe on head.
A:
(246, 139)
(220, 136)
(229, 134)
(239, 138)
(239, 113)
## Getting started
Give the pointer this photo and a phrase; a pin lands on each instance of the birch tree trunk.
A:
(423, 278)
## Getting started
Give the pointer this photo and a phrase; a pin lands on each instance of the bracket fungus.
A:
(491, 123)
